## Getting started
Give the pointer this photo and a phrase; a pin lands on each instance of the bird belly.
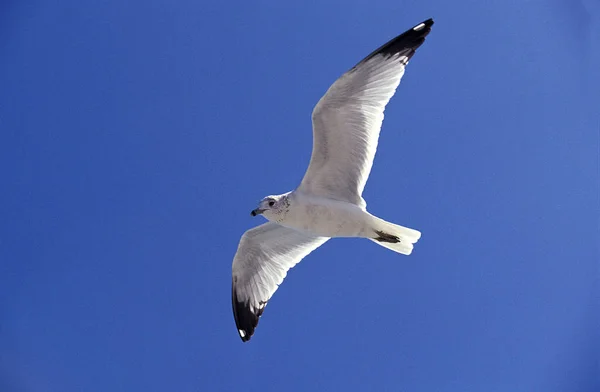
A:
(327, 218)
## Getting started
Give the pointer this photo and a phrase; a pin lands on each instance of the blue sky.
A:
(135, 137)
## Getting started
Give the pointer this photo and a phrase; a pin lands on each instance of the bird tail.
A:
(398, 238)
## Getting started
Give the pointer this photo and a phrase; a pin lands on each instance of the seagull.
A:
(328, 202)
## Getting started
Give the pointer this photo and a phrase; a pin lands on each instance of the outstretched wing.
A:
(264, 256)
(347, 119)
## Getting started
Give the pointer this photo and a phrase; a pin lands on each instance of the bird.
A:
(328, 203)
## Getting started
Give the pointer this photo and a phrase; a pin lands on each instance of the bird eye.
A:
(271, 203)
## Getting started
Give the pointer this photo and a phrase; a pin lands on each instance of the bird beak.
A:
(257, 211)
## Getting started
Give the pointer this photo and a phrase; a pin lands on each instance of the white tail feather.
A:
(398, 238)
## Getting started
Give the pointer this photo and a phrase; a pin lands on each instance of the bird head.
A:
(270, 206)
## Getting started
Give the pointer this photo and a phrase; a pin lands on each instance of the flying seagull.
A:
(328, 202)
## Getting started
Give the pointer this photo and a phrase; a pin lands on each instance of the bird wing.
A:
(264, 256)
(347, 119)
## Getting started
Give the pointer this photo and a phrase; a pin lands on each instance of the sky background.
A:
(135, 138)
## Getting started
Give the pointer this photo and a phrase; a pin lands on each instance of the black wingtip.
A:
(406, 43)
(246, 317)
(428, 23)
(409, 40)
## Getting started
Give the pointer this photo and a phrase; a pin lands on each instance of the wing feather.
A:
(264, 256)
(347, 119)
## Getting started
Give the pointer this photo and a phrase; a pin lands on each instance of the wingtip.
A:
(244, 335)
(246, 317)
(245, 320)
(424, 25)
(409, 42)
(429, 22)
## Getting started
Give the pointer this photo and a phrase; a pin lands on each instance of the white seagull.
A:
(328, 202)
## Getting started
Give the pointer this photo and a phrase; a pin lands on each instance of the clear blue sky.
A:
(135, 138)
